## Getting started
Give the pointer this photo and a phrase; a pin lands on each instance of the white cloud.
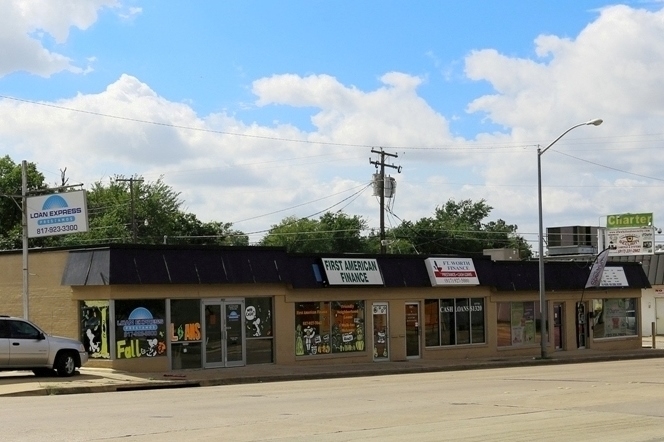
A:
(231, 170)
(23, 23)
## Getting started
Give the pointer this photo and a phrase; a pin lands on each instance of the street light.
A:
(542, 294)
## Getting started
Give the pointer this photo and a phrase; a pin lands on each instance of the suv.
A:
(24, 346)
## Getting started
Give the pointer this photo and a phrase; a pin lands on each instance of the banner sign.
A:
(451, 271)
(614, 277)
(597, 270)
(57, 214)
(352, 271)
(629, 220)
(626, 242)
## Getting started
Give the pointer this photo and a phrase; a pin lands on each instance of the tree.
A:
(11, 184)
(331, 233)
(155, 212)
(458, 228)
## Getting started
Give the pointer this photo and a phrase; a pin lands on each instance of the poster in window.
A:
(258, 317)
(140, 329)
(518, 323)
(615, 322)
(528, 322)
(94, 328)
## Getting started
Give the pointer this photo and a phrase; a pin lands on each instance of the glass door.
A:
(223, 333)
(412, 330)
(558, 328)
(581, 325)
(381, 340)
(234, 317)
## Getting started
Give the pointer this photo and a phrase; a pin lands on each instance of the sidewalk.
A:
(96, 380)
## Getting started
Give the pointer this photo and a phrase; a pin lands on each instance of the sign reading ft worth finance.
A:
(451, 271)
(57, 214)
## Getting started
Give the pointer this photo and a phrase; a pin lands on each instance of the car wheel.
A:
(43, 372)
(65, 364)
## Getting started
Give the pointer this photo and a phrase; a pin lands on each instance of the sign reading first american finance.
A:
(57, 214)
(352, 271)
(451, 271)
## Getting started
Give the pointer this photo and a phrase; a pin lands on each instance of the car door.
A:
(4, 343)
(27, 346)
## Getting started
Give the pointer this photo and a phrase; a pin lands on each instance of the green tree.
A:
(155, 213)
(331, 233)
(458, 228)
(11, 184)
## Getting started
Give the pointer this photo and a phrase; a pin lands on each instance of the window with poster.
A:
(258, 332)
(518, 323)
(454, 321)
(186, 336)
(140, 329)
(95, 332)
(615, 317)
(329, 327)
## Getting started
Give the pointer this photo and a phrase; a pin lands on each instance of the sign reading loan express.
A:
(57, 214)
(352, 271)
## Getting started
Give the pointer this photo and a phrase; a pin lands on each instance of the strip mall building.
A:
(161, 308)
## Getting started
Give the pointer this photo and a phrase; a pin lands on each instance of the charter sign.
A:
(57, 214)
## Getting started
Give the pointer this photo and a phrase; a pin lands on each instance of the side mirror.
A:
(40, 336)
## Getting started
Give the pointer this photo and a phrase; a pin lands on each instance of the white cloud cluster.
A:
(23, 24)
(230, 170)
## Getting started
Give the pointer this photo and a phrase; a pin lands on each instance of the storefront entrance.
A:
(412, 330)
(581, 325)
(381, 340)
(223, 333)
(558, 328)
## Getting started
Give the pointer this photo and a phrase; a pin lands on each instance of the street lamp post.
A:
(542, 292)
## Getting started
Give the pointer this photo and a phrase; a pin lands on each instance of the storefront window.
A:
(185, 333)
(431, 323)
(456, 321)
(258, 332)
(329, 327)
(140, 329)
(615, 317)
(518, 323)
(94, 328)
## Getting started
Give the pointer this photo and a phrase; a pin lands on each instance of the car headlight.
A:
(81, 348)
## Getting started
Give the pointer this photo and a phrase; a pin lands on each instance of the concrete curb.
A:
(341, 372)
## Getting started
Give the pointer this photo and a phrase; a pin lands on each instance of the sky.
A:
(259, 110)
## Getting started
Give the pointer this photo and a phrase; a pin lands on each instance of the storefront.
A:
(160, 308)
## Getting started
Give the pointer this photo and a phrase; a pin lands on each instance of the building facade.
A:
(161, 308)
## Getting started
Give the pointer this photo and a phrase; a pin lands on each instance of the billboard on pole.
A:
(57, 214)
(630, 234)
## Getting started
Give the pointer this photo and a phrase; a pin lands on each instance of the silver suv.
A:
(24, 346)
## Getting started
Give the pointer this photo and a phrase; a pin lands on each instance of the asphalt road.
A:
(603, 401)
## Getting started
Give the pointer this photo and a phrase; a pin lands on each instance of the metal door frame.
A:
(387, 330)
(418, 331)
(222, 303)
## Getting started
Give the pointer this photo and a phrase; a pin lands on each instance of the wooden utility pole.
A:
(131, 181)
(381, 186)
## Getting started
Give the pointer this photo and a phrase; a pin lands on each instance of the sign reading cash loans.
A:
(451, 271)
(352, 271)
(57, 214)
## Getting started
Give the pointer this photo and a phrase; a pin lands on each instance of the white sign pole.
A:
(24, 219)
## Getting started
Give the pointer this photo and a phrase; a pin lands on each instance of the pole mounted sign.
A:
(630, 234)
(629, 220)
(57, 214)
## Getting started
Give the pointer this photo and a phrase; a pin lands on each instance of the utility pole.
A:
(131, 181)
(381, 189)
